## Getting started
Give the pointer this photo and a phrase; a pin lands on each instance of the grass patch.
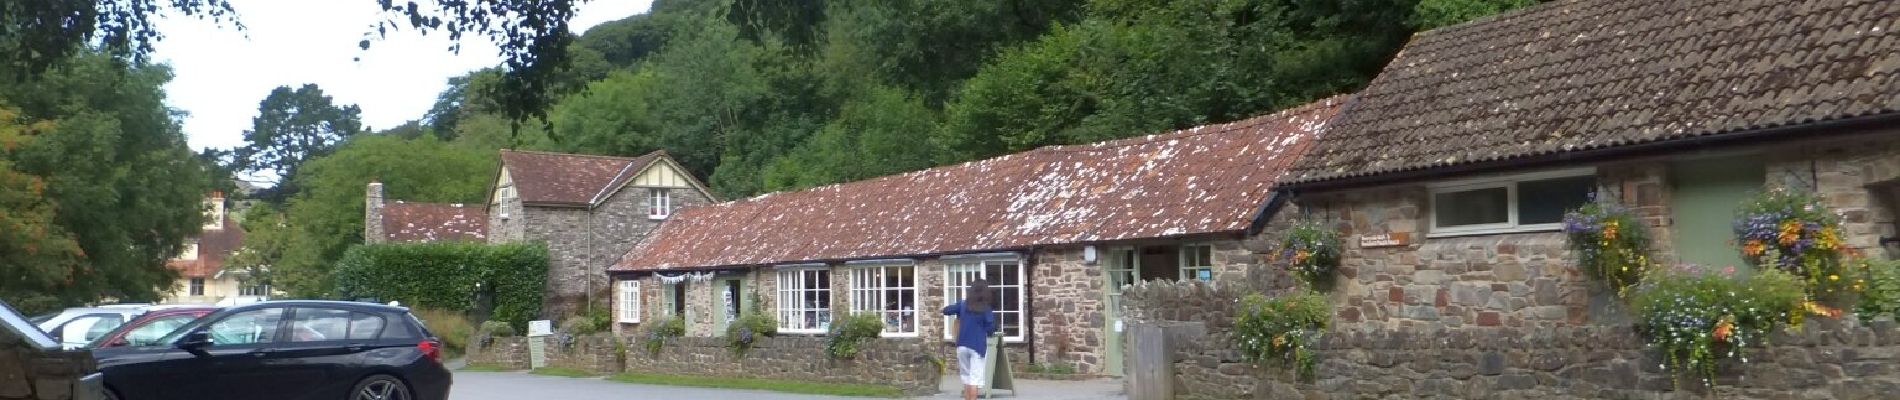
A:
(451, 327)
(484, 368)
(800, 387)
(566, 372)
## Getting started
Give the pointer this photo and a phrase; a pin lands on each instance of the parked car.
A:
(146, 329)
(286, 350)
(75, 327)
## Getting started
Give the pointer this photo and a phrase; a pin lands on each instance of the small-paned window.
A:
(804, 300)
(1197, 262)
(1521, 203)
(659, 203)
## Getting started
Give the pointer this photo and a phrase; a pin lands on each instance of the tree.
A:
(878, 134)
(112, 168)
(533, 35)
(268, 237)
(291, 127)
(36, 254)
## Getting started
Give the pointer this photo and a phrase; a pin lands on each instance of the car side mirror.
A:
(194, 342)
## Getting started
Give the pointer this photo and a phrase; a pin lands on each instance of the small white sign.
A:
(540, 328)
(1118, 325)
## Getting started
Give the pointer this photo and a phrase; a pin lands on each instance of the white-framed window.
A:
(1005, 276)
(659, 203)
(1197, 262)
(197, 287)
(804, 299)
(629, 301)
(673, 299)
(1516, 203)
(890, 291)
(260, 289)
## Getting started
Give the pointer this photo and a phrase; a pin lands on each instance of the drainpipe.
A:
(1029, 306)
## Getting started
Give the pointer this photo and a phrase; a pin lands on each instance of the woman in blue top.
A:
(976, 321)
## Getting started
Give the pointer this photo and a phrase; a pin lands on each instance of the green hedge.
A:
(448, 275)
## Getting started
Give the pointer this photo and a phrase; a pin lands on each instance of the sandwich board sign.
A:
(999, 376)
(537, 345)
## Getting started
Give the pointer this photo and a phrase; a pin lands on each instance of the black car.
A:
(325, 350)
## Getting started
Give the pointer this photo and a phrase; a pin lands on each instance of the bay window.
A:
(890, 292)
(1005, 276)
(804, 300)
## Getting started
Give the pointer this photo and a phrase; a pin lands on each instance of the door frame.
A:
(1125, 260)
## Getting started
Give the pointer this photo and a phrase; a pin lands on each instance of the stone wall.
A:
(503, 352)
(32, 374)
(1828, 359)
(599, 354)
(583, 242)
(907, 364)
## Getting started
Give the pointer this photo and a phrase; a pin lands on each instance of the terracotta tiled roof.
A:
(1575, 75)
(573, 179)
(214, 245)
(429, 222)
(1203, 180)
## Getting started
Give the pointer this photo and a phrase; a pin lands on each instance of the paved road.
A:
(524, 386)
(521, 385)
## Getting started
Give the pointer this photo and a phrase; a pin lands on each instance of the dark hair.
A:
(978, 297)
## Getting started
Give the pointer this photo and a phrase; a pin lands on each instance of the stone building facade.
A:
(1057, 232)
(587, 209)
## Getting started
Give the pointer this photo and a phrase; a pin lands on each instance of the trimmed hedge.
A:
(448, 275)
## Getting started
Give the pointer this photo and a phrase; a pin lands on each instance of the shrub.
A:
(498, 329)
(595, 320)
(847, 335)
(665, 328)
(1795, 232)
(1611, 243)
(1282, 328)
(748, 329)
(451, 327)
(1311, 252)
(448, 276)
(1880, 290)
(1695, 316)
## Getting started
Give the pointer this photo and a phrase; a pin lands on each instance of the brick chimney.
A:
(373, 213)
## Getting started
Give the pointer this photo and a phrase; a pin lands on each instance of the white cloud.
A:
(221, 73)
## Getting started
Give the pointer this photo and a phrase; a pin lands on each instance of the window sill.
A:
(656, 217)
(912, 335)
(784, 331)
(1494, 231)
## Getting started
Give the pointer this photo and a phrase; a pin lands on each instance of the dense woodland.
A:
(751, 95)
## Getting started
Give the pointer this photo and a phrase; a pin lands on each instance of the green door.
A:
(1120, 264)
(1703, 201)
(729, 302)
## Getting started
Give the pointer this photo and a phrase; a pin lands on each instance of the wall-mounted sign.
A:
(1394, 239)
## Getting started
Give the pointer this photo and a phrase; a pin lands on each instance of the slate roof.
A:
(214, 245)
(570, 179)
(1207, 179)
(1575, 75)
(430, 222)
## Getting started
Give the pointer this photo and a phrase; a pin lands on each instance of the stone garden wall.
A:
(1827, 359)
(502, 352)
(32, 374)
(599, 354)
(908, 364)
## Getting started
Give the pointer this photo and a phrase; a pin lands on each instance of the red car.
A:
(146, 329)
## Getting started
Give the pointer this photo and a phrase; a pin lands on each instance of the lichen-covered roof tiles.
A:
(1573, 75)
(570, 179)
(430, 222)
(1208, 179)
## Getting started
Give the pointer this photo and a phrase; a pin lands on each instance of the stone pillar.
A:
(373, 213)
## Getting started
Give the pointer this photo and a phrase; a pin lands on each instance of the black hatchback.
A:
(325, 350)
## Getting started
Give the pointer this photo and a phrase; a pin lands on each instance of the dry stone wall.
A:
(599, 354)
(904, 363)
(32, 374)
(501, 352)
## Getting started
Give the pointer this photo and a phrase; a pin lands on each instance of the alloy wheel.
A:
(381, 388)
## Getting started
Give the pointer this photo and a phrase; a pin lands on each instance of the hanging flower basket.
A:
(1311, 252)
(1795, 232)
(1610, 242)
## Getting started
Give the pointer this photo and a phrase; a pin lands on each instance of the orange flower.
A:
(1279, 341)
(1609, 230)
(1724, 329)
(1828, 239)
(1790, 232)
(1752, 248)
(1300, 256)
(1819, 309)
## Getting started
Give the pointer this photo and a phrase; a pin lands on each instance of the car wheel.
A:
(380, 387)
(111, 395)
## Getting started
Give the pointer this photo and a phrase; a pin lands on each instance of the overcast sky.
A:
(222, 73)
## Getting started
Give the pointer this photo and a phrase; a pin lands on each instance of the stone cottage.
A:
(588, 209)
(1057, 230)
(1450, 175)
